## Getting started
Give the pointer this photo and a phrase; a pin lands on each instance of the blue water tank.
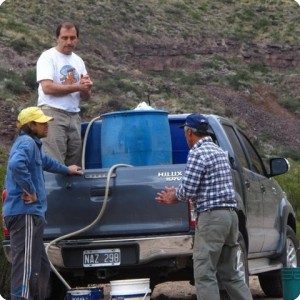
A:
(180, 147)
(93, 145)
(136, 137)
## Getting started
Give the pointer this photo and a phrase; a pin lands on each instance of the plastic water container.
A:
(79, 295)
(136, 137)
(96, 293)
(130, 289)
(180, 147)
(290, 283)
(93, 145)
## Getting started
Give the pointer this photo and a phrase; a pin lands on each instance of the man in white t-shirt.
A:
(63, 82)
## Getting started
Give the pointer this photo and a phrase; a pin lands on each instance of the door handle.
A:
(247, 184)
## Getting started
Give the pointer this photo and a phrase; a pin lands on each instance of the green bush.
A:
(291, 103)
(20, 45)
(240, 80)
(30, 79)
(16, 86)
(290, 183)
(258, 68)
(17, 26)
(262, 24)
(191, 79)
(12, 81)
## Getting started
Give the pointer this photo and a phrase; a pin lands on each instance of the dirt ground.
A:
(182, 290)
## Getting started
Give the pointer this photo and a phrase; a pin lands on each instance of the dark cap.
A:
(196, 121)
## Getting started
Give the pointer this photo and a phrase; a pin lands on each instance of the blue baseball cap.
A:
(196, 121)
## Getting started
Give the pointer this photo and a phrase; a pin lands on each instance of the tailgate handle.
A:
(96, 192)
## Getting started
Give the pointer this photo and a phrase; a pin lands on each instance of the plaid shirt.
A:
(207, 180)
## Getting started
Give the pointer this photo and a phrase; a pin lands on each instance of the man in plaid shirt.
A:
(207, 181)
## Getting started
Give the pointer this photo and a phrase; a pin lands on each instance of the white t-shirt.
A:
(64, 69)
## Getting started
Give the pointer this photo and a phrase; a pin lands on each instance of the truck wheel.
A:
(241, 265)
(270, 282)
(241, 260)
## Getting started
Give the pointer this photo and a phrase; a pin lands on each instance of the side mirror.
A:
(278, 166)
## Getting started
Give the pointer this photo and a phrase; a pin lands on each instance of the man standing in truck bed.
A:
(63, 82)
(207, 181)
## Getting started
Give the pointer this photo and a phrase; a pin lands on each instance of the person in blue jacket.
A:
(25, 205)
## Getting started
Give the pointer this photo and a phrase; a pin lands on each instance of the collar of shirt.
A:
(35, 138)
(202, 141)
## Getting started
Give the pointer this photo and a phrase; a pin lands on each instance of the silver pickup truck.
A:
(136, 237)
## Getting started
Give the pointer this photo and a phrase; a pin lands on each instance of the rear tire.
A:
(241, 265)
(242, 258)
(271, 282)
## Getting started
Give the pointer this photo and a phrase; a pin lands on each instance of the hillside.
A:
(240, 59)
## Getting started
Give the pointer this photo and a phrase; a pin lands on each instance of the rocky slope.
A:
(235, 58)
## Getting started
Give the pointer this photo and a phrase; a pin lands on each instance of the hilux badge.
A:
(171, 176)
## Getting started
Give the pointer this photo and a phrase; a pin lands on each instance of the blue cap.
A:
(196, 121)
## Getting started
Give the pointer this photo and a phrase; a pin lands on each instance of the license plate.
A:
(103, 257)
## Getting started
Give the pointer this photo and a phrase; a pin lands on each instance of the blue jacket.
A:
(25, 168)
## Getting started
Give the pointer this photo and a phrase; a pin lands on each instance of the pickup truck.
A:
(136, 237)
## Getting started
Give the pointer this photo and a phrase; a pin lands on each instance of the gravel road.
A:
(182, 290)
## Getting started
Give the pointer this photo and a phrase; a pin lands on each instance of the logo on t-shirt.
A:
(69, 75)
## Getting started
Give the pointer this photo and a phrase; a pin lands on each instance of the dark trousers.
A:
(30, 264)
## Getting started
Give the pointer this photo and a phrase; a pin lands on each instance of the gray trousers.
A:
(30, 265)
(215, 250)
(64, 136)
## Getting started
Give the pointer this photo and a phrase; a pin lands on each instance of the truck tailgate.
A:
(75, 201)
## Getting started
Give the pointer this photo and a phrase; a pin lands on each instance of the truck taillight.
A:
(5, 231)
(193, 215)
